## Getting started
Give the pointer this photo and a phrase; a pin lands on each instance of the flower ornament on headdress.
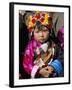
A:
(43, 17)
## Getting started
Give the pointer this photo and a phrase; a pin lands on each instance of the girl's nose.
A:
(41, 33)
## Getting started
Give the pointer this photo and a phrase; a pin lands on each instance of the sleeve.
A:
(58, 68)
(28, 64)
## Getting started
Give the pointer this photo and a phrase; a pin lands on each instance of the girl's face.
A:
(41, 35)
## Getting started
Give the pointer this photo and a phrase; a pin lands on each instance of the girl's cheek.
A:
(36, 36)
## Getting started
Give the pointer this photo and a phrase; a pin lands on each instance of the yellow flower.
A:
(30, 24)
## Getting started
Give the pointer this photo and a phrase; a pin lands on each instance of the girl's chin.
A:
(42, 41)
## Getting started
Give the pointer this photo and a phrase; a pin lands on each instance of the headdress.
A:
(43, 17)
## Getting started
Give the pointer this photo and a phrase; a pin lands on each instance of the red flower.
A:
(33, 20)
(42, 19)
(38, 16)
(43, 15)
(30, 29)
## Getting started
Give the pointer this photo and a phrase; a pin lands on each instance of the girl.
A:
(40, 59)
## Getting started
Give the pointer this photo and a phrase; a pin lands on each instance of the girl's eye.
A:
(45, 30)
(36, 31)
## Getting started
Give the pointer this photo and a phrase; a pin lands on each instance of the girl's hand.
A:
(50, 69)
(46, 71)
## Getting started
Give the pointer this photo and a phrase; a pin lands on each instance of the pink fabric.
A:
(34, 70)
(29, 55)
(61, 37)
